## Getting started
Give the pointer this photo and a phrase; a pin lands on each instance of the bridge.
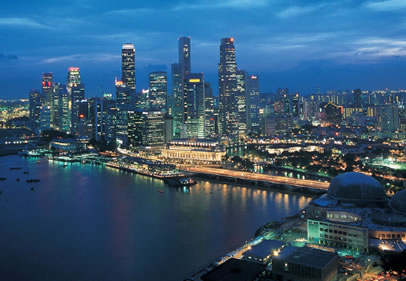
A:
(262, 180)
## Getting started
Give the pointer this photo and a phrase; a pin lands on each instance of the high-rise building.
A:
(146, 128)
(60, 114)
(128, 66)
(184, 55)
(35, 108)
(227, 77)
(77, 94)
(194, 105)
(45, 117)
(123, 106)
(158, 91)
(254, 123)
(296, 105)
(178, 100)
(209, 119)
(241, 102)
(73, 77)
(46, 98)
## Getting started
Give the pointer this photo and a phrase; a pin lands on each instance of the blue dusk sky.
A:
(302, 45)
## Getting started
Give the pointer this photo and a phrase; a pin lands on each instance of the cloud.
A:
(299, 10)
(238, 4)
(101, 57)
(8, 57)
(23, 22)
(129, 11)
(389, 5)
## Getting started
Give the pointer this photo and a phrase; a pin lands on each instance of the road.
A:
(258, 177)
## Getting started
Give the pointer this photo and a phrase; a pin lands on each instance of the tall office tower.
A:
(60, 114)
(296, 105)
(45, 118)
(85, 127)
(284, 97)
(110, 117)
(388, 118)
(158, 91)
(194, 105)
(74, 82)
(46, 98)
(77, 94)
(73, 77)
(227, 76)
(241, 101)
(168, 128)
(184, 55)
(178, 100)
(128, 66)
(254, 122)
(123, 106)
(146, 128)
(209, 118)
(35, 108)
(357, 98)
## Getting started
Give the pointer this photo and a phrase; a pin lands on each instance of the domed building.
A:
(398, 202)
(357, 188)
(354, 214)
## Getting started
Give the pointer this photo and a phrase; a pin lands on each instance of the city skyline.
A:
(284, 44)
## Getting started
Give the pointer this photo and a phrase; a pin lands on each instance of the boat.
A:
(65, 165)
(15, 168)
(180, 181)
(25, 172)
(32, 180)
(3, 178)
(38, 162)
(160, 191)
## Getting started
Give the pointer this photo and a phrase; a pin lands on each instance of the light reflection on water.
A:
(112, 225)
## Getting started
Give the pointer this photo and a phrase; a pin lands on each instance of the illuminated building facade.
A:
(194, 89)
(177, 100)
(146, 128)
(158, 91)
(46, 98)
(253, 104)
(35, 107)
(77, 94)
(194, 151)
(209, 114)
(128, 66)
(227, 77)
(123, 105)
(241, 102)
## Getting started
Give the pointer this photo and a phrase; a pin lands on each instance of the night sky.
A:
(302, 45)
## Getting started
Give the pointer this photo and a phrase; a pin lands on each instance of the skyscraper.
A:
(76, 92)
(254, 125)
(227, 76)
(73, 77)
(178, 100)
(158, 91)
(46, 98)
(241, 102)
(194, 105)
(123, 105)
(128, 66)
(35, 108)
(184, 55)
(209, 119)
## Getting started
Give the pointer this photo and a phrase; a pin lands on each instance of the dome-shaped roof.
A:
(398, 202)
(356, 188)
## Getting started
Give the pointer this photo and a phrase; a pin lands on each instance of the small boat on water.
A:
(25, 172)
(15, 168)
(38, 162)
(65, 165)
(33, 180)
(3, 178)
(180, 181)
